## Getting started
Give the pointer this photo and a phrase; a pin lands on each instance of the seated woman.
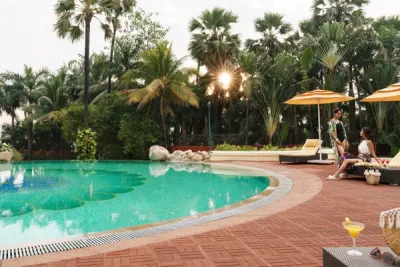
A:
(365, 150)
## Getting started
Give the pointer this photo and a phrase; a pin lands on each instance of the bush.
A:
(9, 148)
(85, 146)
(269, 147)
(16, 155)
(5, 147)
(122, 131)
(137, 136)
(228, 147)
(246, 148)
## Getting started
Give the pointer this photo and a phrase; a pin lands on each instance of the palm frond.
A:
(184, 94)
(147, 94)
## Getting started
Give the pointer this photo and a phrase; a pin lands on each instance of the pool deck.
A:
(288, 232)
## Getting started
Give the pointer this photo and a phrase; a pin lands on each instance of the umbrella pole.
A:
(319, 133)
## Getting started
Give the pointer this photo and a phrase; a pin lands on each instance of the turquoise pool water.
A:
(48, 201)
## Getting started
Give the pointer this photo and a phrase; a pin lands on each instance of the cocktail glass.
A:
(354, 229)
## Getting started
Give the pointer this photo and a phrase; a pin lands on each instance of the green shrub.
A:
(269, 147)
(5, 147)
(16, 155)
(246, 148)
(137, 135)
(228, 147)
(85, 146)
(117, 125)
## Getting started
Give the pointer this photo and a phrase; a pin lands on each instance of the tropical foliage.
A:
(85, 145)
(139, 94)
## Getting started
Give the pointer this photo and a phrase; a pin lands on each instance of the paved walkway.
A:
(294, 237)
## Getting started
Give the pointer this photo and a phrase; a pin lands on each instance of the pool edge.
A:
(119, 235)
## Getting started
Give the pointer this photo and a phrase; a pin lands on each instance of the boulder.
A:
(197, 157)
(6, 156)
(178, 153)
(206, 155)
(158, 153)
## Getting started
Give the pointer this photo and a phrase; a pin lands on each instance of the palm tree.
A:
(277, 35)
(214, 45)
(12, 97)
(164, 80)
(247, 63)
(51, 98)
(212, 42)
(336, 10)
(276, 86)
(74, 18)
(114, 19)
(29, 81)
(379, 76)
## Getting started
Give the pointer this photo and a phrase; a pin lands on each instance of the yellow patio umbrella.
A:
(318, 97)
(389, 94)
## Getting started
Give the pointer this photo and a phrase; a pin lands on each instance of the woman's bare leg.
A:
(340, 150)
(345, 164)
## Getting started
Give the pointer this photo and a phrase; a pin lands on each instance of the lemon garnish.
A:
(347, 219)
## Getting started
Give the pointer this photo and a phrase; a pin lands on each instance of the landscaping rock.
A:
(206, 155)
(197, 157)
(6, 156)
(158, 153)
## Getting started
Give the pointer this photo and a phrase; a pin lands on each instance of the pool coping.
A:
(305, 186)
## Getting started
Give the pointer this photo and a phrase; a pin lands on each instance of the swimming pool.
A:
(47, 201)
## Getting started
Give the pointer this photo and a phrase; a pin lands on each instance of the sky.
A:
(27, 36)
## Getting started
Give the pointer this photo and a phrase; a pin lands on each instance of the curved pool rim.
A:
(280, 185)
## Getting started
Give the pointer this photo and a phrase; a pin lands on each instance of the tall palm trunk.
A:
(163, 121)
(296, 127)
(229, 119)
(183, 131)
(61, 142)
(87, 70)
(111, 59)
(30, 139)
(311, 124)
(216, 113)
(247, 121)
(13, 127)
(352, 107)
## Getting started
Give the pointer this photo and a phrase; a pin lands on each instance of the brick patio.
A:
(294, 237)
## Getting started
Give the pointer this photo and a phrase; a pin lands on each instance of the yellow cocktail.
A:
(354, 229)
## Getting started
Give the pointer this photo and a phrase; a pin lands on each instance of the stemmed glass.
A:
(354, 229)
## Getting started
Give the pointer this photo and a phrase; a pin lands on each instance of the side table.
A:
(338, 257)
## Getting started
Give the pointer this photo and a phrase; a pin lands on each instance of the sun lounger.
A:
(389, 174)
(308, 152)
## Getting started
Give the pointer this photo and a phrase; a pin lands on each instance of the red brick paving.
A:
(292, 238)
